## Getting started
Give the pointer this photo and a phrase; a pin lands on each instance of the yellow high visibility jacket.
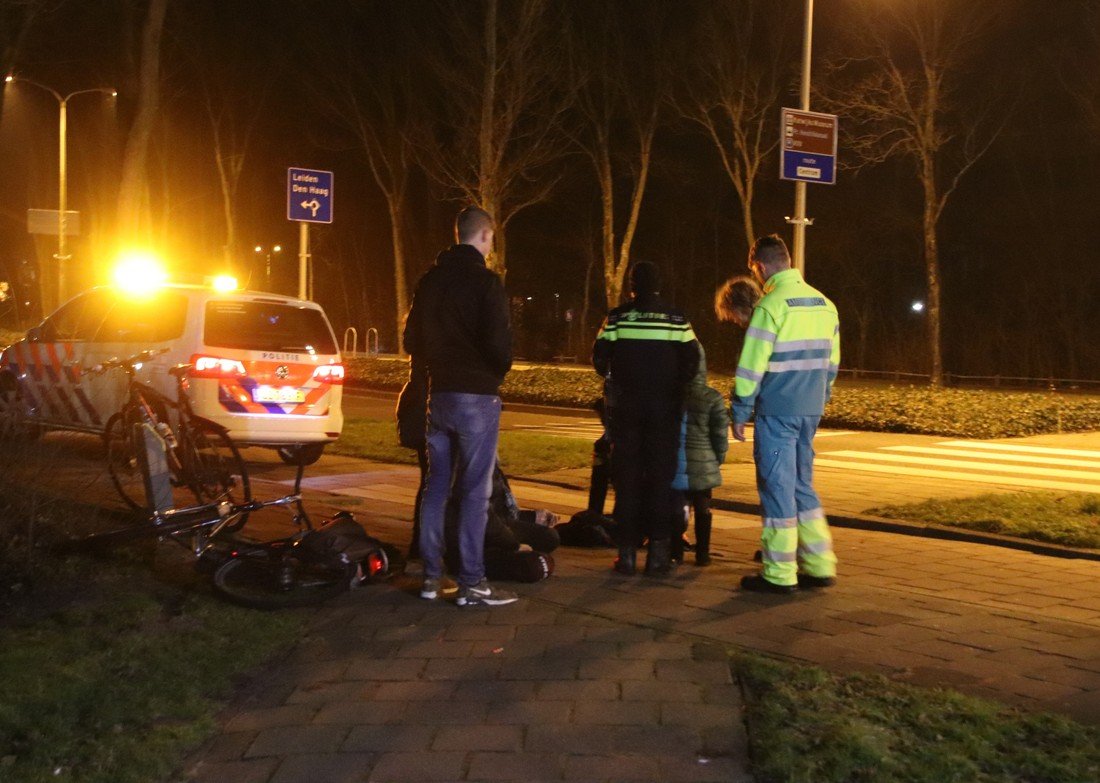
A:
(791, 352)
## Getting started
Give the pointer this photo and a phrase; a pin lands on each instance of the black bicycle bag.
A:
(343, 539)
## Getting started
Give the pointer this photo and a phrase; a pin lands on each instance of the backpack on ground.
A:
(343, 539)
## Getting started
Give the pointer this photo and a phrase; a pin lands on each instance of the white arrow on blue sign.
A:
(309, 195)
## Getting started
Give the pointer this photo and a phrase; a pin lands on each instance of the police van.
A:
(264, 366)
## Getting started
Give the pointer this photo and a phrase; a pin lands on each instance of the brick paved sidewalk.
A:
(595, 677)
(388, 687)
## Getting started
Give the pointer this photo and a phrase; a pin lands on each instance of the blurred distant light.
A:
(9, 79)
(530, 298)
(114, 93)
(258, 248)
(917, 306)
(224, 283)
(277, 249)
(139, 272)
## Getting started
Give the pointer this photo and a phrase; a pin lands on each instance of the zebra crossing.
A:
(590, 429)
(1006, 464)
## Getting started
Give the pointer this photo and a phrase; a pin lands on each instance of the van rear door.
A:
(286, 351)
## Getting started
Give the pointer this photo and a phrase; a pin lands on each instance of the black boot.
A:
(627, 561)
(702, 546)
(658, 561)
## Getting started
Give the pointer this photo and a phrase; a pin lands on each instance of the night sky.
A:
(1018, 239)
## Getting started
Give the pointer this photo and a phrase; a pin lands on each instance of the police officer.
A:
(786, 372)
(647, 352)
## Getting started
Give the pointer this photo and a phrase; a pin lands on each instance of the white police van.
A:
(264, 366)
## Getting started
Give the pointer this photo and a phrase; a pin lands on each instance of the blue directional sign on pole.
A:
(309, 195)
(809, 146)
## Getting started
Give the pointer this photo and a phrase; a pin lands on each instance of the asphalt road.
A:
(1055, 462)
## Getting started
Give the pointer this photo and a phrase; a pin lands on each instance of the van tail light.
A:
(330, 373)
(203, 366)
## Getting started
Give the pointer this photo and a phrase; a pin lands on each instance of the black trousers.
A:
(645, 439)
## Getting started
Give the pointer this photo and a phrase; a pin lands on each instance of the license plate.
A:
(278, 394)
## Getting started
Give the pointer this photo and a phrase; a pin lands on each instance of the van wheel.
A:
(303, 453)
(14, 417)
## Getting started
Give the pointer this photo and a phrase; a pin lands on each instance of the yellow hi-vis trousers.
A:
(796, 534)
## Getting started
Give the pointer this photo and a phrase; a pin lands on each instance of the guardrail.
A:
(955, 379)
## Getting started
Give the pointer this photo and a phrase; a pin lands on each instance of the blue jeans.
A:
(462, 450)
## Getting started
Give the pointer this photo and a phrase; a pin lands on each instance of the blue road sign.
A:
(808, 141)
(309, 195)
(809, 168)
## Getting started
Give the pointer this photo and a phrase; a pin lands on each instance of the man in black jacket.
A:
(459, 328)
(647, 352)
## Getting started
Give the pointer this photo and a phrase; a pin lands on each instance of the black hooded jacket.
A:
(459, 326)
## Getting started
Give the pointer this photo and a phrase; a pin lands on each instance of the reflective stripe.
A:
(779, 557)
(804, 345)
(806, 301)
(815, 548)
(748, 375)
(813, 513)
(760, 334)
(794, 365)
(780, 523)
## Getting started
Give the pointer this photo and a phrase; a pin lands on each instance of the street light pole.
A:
(800, 220)
(62, 169)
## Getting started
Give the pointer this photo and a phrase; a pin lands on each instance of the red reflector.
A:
(376, 563)
(203, 366)
(329, 373)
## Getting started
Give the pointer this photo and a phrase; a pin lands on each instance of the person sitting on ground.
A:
(518, 542)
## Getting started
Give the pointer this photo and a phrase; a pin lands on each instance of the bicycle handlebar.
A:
(128, 363)
(213, 511)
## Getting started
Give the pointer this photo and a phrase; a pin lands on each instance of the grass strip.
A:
(808, 726)
(117, 684)
(1070, 519)
(521, 453)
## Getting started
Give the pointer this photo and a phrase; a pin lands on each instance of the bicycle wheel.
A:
(269, 580)
(122, 460)
(213, 468)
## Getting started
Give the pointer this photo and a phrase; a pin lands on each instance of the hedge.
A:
(963, 413)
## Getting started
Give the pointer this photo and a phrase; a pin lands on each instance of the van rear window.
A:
(267, 326)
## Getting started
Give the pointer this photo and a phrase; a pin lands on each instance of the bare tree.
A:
(233, 86)
(733, 87)
(901, 100)
(133, 185)
(1081, 80)
(502, 108)
(620, 66)
(371, 95)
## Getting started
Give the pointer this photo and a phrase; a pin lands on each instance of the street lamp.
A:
(62, 188)
(259, 249)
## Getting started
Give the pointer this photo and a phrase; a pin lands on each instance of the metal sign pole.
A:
(799, 220)
(303, 258)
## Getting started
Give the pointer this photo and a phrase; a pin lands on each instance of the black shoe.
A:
(658, 560)
(813, 582)
(702, 559)
(758, 584)
(627, 561)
